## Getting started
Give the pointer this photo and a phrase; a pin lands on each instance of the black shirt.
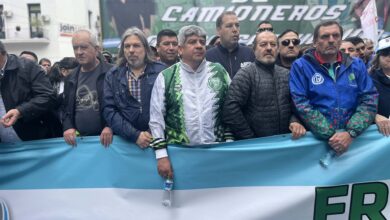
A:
(87, 111)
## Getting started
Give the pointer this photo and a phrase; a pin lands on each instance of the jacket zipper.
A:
(274, 78)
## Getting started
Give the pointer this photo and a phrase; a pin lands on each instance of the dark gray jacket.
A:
(258, 102)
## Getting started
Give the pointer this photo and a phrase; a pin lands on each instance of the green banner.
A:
(300, 15)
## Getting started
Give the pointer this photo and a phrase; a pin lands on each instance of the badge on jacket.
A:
(317, 79)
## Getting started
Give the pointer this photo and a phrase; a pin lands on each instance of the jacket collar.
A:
(103, 67)
(189, 69)
(341, 58)
(382, 77)
(224, 50)
(268, 68)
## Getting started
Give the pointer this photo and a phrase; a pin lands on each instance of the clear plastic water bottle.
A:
(328, 158)
(167, 195)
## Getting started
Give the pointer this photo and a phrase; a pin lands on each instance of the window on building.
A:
(36, 24)
(2, 25)
(90, 19)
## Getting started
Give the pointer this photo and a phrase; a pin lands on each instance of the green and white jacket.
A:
(186, 106)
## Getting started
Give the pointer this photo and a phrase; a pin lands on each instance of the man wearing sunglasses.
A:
(288, 43)
(229, 53)
(332, 92)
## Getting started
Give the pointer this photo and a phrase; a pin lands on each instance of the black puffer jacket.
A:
(258, 102)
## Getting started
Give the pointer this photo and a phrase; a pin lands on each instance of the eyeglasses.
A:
(384, 53)
(295, 42)
(264, 29)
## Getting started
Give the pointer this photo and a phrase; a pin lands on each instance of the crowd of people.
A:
(186, 92)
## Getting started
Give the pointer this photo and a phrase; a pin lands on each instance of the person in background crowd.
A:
(107, 57)
(380, 73)
(60, 71)
(187, 100)
(288, 45)
(83, 92)
(258, 102)
(45, 64)
(229, 53)
(167, 47)
(264, 26)
(332, 92)
(67, 65)
(304, 47)
(55, 78)
(348, 48)
(29, 55)
(214, 41)
(360, 47)
(26, 96)
(128, 87)
(369, 55)
(57, 75)
(156, 56)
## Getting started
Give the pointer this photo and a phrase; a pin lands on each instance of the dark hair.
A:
(44, 60)
(218, 23)
(108, 56)
(55, 75)
(29, 53)
(354, 40)
(287, 31)
(3, 51)
(68, 63)
(163, 33)
(264, 22)
(154, 51)
(213, 40)
(325, 24)
(304, 47)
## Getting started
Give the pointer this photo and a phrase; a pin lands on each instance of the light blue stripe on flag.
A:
(271, 161)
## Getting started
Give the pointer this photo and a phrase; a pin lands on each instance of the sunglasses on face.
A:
(286, 42)
(384, 53)
(264, 29)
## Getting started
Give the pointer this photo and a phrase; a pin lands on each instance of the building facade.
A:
(46, 26)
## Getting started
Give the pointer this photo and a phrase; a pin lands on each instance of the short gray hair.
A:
(141, 36)
(93, 39)
(188, 31)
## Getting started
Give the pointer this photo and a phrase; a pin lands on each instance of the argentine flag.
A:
(272, 178)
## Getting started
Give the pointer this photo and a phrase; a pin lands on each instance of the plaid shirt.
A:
(134, 85)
